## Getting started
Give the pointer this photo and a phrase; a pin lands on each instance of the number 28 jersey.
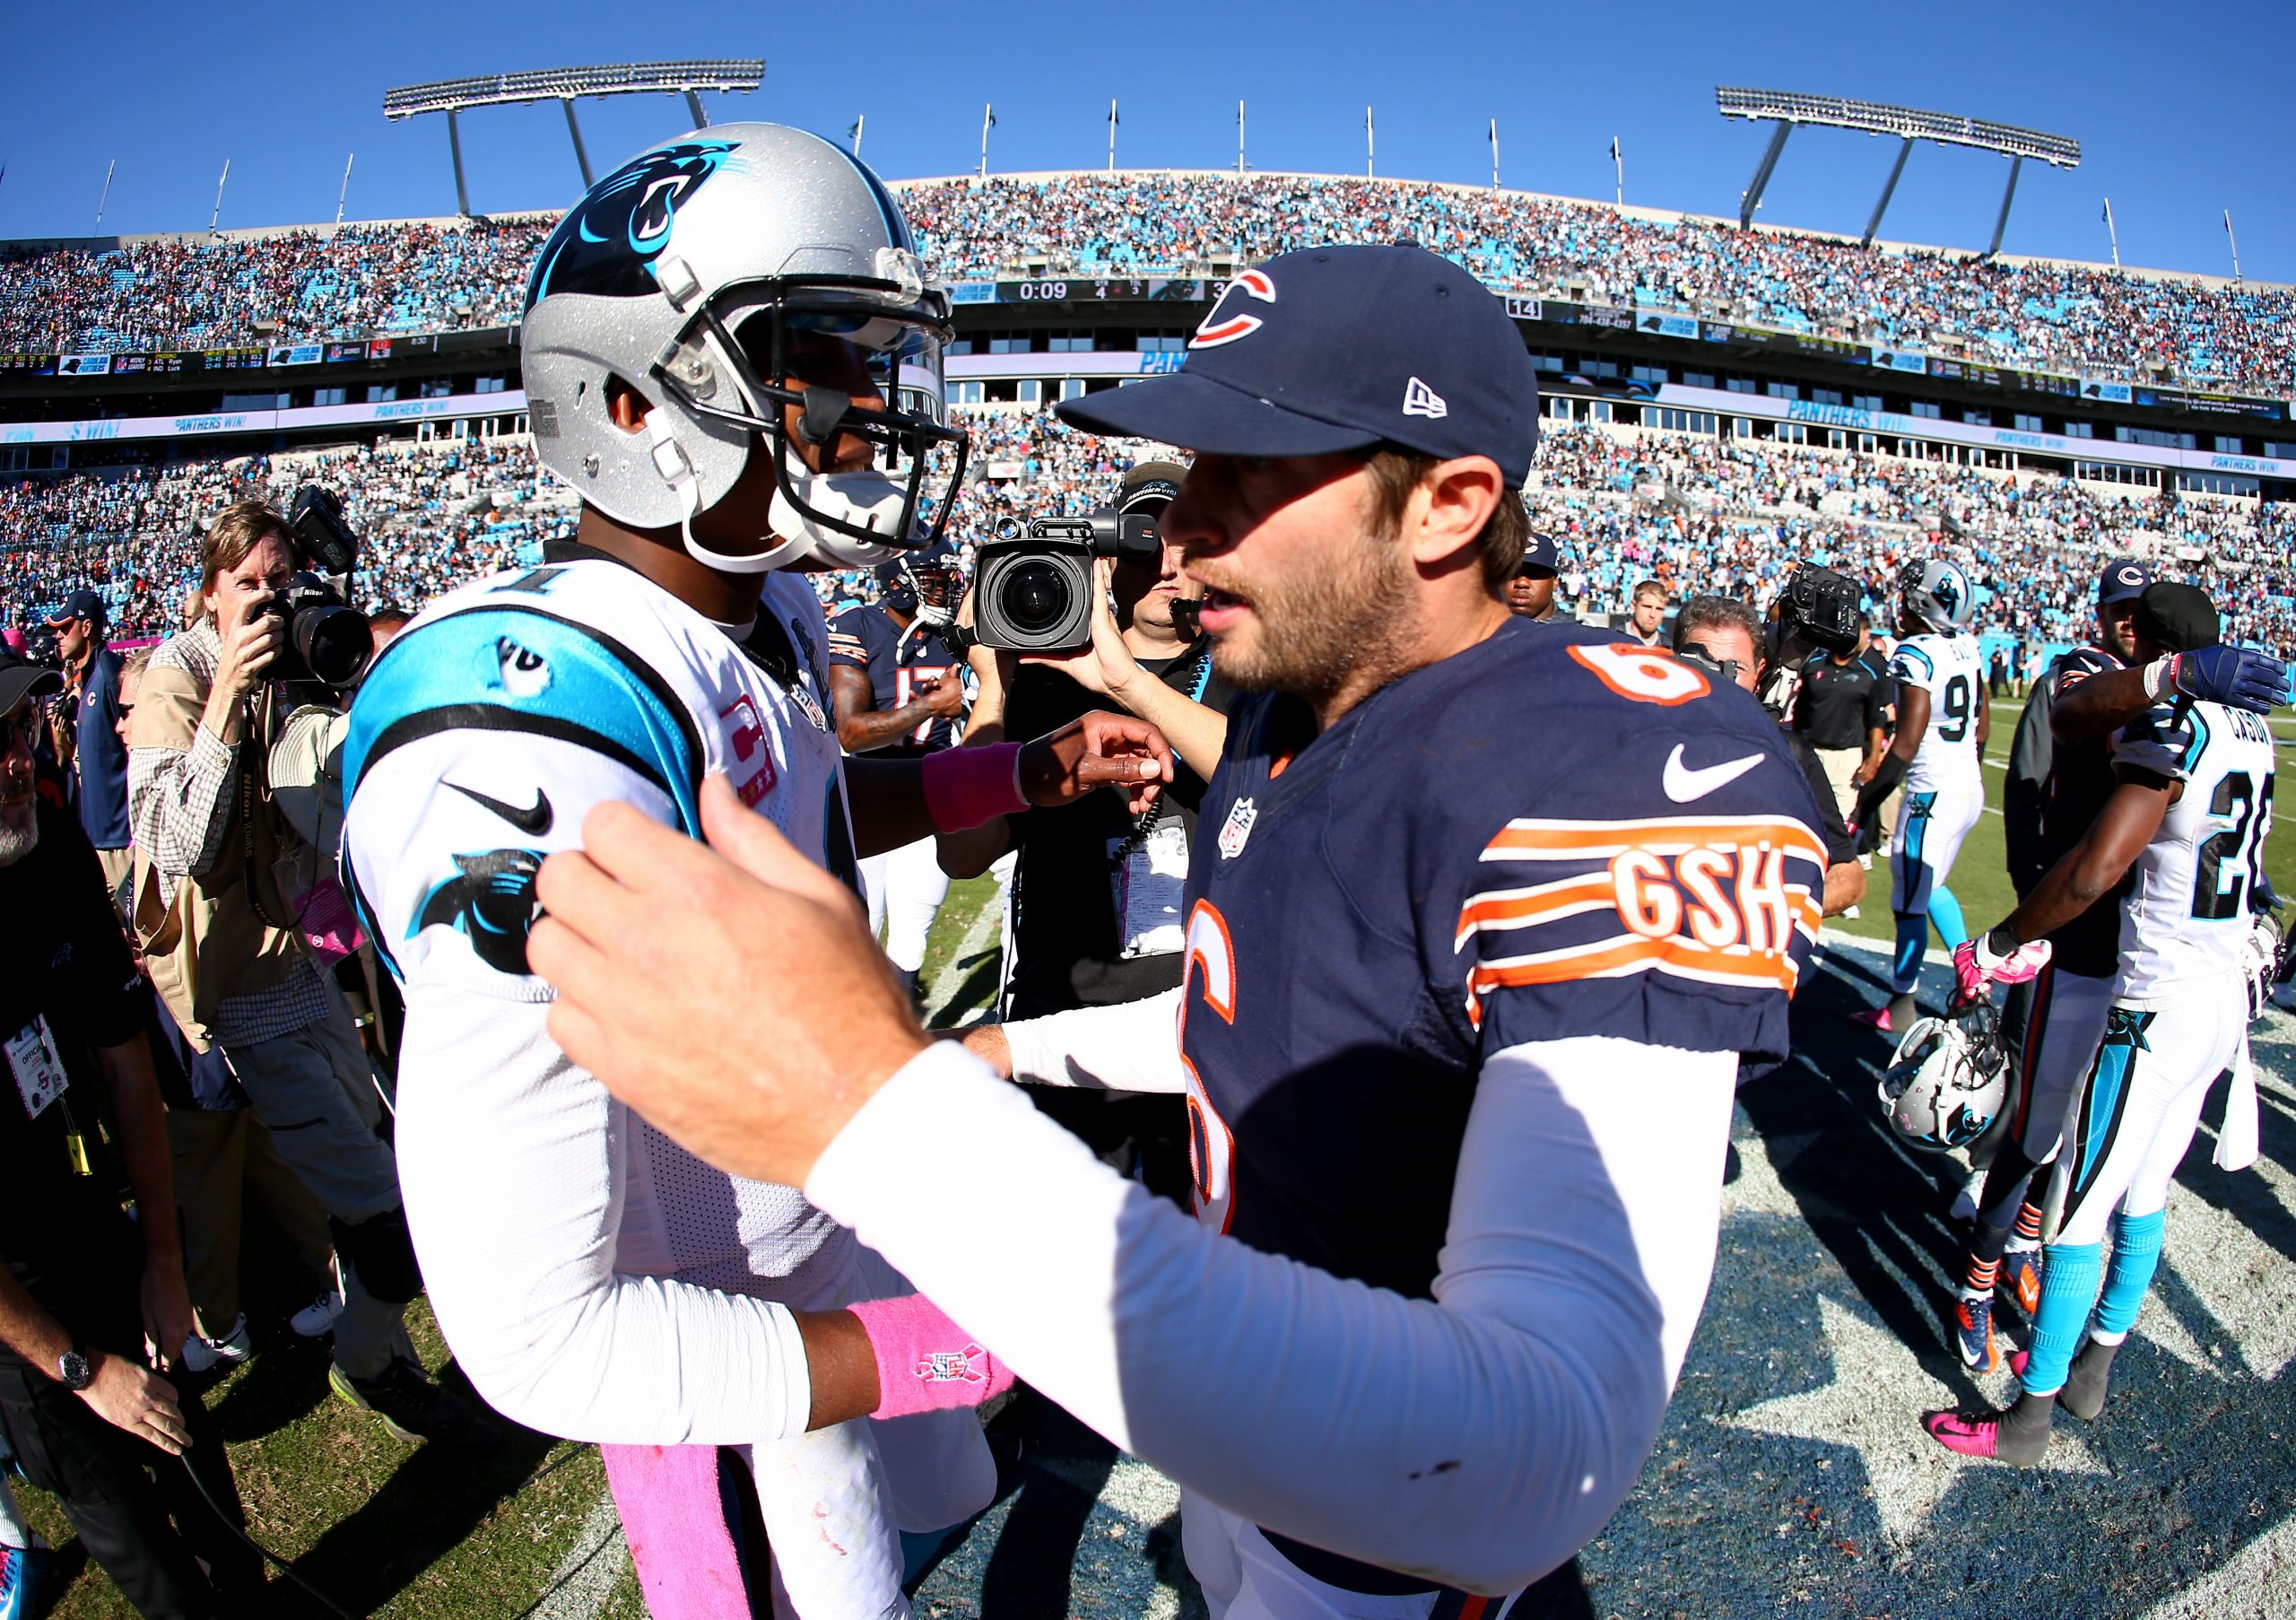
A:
(1949, 668)
(1550, 834)
(2189, 894)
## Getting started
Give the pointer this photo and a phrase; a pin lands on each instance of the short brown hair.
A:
(238, 529)
(1396, 474)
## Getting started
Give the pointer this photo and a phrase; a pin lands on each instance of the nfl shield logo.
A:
(1237, 829)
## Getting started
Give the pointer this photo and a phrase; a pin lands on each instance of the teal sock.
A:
(2068, 1289)
(1905, 966)
(2136, 1256)
(1945, 914)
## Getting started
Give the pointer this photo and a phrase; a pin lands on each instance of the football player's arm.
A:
(971, 852)
(1198, 731)
(1131, 1046)
(1479, 1437)
(2091, 870)
(1983, 716)
(2231, 675)
(1913, 721)
(513, 1163)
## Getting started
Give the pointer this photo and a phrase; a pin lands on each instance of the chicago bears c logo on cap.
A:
(1214, 331)
(2130, 576)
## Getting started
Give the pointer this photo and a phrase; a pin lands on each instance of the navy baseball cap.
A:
(21, 678)
(2123, 581)
(1542, 558)
(82, 604)
(1332, 349)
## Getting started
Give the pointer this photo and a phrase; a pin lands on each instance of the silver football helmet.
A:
(1947, 1081)
(1938, 594)
(705, 272)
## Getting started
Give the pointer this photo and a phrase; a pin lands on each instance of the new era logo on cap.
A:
(1419, 400)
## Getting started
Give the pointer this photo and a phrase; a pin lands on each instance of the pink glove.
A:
(926, 1362)
(1976, 966)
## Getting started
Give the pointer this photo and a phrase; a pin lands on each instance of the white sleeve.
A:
(1478, 1438)
(1134, 1046)
(510, 1162)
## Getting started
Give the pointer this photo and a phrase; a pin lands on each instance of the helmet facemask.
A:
(733, 364)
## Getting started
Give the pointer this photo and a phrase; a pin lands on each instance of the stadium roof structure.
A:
(1787, 109)
(562, 84)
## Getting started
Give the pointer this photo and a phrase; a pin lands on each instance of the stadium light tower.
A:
(562, 84)
(1787, 109)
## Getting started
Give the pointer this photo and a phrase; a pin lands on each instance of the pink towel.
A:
(674, 1520)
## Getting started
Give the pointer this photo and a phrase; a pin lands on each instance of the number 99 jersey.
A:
(2190, 900)
(1949, 668)
(1552, 835)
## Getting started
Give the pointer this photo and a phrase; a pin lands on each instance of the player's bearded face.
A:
(1300, 590)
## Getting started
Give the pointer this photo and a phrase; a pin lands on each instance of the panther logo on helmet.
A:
(607, 244)
(1947, 1081)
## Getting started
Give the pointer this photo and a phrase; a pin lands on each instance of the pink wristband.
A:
(965, 786)
(926, 1362)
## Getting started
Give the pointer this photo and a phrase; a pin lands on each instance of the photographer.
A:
(1095, 917)
(207, 840)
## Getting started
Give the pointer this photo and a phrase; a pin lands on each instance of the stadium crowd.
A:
(385, 278)
(1698, 514)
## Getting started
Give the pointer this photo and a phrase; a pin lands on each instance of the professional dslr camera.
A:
(1032, 590)
(327, 641)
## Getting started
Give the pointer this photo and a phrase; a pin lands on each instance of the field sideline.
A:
(1789, 1460)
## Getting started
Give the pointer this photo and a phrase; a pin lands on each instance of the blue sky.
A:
(2181, 112)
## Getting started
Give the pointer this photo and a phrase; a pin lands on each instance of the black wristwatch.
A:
(76, 1369)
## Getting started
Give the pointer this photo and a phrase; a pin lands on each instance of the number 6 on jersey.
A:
(1211, 1147)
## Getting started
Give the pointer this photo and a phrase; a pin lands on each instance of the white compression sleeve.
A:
(1478, 1439)
(1133, 1047)
(509, 1159)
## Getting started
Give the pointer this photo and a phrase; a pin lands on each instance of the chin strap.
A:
(670, 461)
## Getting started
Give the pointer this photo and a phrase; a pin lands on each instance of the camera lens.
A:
(334, 642)
(1035, 596)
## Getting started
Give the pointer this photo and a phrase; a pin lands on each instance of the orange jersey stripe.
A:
(1516, 908)
(1631, 954)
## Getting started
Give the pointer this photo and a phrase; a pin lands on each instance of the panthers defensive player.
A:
(2185, 825)
(900, 694)
(731, 355)
(1943, 722)
(1482, 915)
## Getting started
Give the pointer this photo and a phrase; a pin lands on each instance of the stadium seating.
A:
(1626, 504)
(385, 278)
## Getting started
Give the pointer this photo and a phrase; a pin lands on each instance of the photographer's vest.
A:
(211, 942)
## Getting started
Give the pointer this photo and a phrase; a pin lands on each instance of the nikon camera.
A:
(328, 641)
(1032, 590)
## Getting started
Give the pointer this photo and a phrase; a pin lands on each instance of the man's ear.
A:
(1456, 501)
(626, 407)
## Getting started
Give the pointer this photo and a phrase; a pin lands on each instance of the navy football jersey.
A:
(2080, 780)
(1552, 835)
(897, 661)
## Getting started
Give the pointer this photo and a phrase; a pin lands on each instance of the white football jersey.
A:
(2188, 912)
(479, 740)
(1950, 669)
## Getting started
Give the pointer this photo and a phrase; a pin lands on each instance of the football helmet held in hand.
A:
(1947, 1081)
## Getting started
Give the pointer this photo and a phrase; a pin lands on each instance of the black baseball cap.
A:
(2177, 618)
(1150, 487)
(1542, 558)
(82, 604)
(20, 679)
(2123, 581)
(1332, 349)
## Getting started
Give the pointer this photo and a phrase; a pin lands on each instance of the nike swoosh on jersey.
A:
(1683, 784)
(533, 822)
